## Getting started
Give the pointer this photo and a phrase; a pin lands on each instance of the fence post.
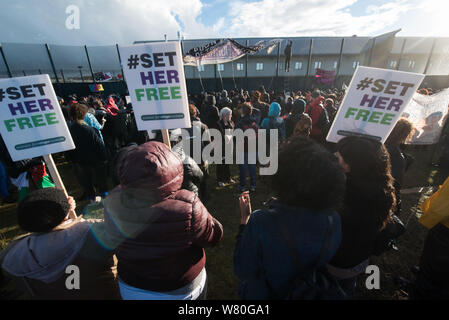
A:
(120, 61)
(430, 55)
(246, 66)
(5, 61)
(309, 62)
(51, 62)
(340, 58)
(90, 65)
(400, 55)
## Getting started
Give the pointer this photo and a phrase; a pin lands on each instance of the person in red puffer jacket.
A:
(159, 230)
(320, 119)
(111, 107)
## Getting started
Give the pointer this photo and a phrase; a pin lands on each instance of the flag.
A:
(107, 76)
(96, 87)
(225, 50)
(103, 76)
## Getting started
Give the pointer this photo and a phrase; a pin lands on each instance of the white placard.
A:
(156, 83)
(374, 103)
(31, 120)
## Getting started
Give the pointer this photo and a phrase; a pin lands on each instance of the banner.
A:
(324, 76)
(225, 50)
(373, 103)
(155, 77)
(31, 120)
(428, 115)
(103, 77)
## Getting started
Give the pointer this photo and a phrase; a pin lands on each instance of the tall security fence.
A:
(72, 68)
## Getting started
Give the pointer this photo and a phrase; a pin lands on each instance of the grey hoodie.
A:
(31, 257)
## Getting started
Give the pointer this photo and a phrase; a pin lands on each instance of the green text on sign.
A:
(156, 94)
(370, 116)
(39, 120)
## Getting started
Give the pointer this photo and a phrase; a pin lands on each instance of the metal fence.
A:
(77, 64)
(64, 64)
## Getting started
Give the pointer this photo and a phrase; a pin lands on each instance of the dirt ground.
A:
(223, 204)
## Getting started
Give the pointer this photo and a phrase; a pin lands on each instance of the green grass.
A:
(223, 204)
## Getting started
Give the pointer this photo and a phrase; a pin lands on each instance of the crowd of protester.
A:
(335, 205)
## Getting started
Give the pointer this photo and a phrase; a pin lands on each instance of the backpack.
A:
(316, 283)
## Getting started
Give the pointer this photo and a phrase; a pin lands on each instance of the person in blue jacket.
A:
(310, 186)
(274, 121)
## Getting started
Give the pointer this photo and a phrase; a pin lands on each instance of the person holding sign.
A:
(369, 205)
(158, 230)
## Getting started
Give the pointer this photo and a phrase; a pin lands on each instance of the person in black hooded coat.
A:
(297, 110)
(209, 112)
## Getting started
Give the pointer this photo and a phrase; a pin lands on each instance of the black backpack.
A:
(317, 283)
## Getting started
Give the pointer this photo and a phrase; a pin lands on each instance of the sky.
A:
(106, 22)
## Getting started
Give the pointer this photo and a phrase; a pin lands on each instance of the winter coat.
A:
(320, 119)
(274, 121)
(291, 121)
(248, 122)
(38, 262)
(261, 254)
(89, 146)
(192, 172)
(159, 230)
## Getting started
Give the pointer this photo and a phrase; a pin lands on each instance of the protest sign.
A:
(31, 121)
(156, 83)
(373, 103)
(428, 115)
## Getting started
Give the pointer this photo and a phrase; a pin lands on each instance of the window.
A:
(220, 67)
(298, 65)
(411, 64)
(240, 67)
(259, 66)
(393, 64)
(335, 64)
(355, 64)
(200, 68)
(317, 64)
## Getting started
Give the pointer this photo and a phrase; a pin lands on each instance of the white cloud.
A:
(269, 18)
(102, 21)
(124, 21)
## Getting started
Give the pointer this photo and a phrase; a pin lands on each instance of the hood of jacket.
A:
(154, 167)
(45, 256)
(275, 110)
(111, 107)
(299, 106)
